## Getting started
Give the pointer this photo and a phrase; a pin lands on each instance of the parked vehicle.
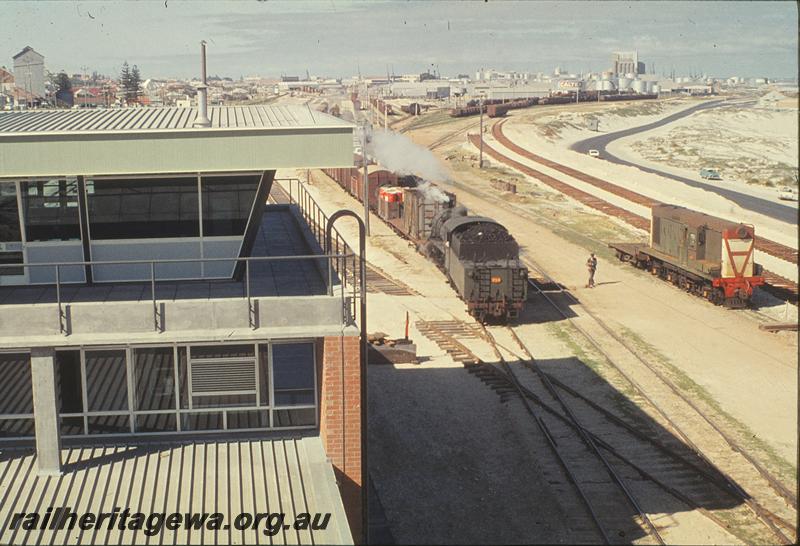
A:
(787, 194)
(709, 174)
(594, 153)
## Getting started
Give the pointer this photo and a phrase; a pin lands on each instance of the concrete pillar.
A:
(45, 411)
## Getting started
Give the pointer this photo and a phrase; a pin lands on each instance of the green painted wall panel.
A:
(174, 151)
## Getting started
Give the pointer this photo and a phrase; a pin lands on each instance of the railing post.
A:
(61, 329)
(330, 276)
(250, 314)
(153, 294)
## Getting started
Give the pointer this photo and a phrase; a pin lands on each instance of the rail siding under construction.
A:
(705, 255)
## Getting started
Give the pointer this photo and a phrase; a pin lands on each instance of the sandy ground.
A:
(750, 145)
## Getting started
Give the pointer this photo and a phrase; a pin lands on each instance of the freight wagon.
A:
(705, 255)
(631, 96)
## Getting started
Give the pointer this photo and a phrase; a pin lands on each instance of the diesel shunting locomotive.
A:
(703, 254)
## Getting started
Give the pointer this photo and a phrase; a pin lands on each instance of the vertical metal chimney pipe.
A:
(202, 92)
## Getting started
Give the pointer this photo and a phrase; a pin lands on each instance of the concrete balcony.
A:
(288, 286)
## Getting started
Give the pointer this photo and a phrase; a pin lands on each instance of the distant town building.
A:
(29, 73)
(6, 81)
(90, 97)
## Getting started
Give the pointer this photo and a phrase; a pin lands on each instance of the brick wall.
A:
(340, 419)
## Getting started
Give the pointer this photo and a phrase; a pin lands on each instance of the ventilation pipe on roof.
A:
(202, 92)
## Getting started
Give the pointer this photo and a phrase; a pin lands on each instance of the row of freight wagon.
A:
(496, 108)
(407, 203)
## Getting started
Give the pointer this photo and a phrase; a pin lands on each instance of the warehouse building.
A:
(152, 305)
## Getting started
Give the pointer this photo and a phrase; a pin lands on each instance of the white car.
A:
(787, 194)
(594, 153)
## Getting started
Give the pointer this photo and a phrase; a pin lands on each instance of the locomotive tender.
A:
(705, 255)
(481, 259)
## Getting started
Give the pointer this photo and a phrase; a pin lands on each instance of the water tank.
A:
(638, 86)
(624, 84)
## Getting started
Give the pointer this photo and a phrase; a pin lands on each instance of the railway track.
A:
(777, 285)
(609, 456)
(742, 473)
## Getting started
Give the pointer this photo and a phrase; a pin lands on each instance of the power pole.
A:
(480, 160)
(365, 176)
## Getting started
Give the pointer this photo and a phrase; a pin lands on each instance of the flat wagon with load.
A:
(705, 255)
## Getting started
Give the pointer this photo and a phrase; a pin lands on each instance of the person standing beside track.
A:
(591, 265)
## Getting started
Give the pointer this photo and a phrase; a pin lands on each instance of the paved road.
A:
(778, 211)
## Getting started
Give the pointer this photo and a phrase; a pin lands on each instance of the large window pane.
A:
(295, 417)
(227, 201)
(222, 351)
(202, 421)
(68, 382)
(50, 210)
(16, 428)
(293, 374)
(16, 396)
(106, 380)
(7, 259)
(263, 373)
(9, 214)
(248, 419)
(154, 373)
(156, 422)
(109, 424)
(137, 208)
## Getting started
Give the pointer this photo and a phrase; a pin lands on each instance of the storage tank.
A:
(630, 76)
(624, 84)
(656, 89)
(638, 86)
(606, 85)
(648, 87)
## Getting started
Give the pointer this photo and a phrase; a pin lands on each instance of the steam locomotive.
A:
(477, 254)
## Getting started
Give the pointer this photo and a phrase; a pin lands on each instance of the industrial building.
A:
(626, 62)
(162, 326)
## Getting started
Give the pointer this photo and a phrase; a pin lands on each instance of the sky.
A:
(338, 38)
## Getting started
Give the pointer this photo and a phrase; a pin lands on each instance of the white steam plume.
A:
(400, 155)
(432, 193)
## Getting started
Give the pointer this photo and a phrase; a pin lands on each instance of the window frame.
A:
(176, 411)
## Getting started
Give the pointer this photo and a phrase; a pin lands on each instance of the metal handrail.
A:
(318, 224)
(158, 325)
